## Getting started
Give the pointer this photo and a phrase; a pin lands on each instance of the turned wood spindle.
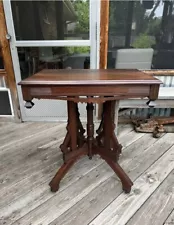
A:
(90, 128)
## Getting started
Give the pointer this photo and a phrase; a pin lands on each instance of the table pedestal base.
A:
(105, 144)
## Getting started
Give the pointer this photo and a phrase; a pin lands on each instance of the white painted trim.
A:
(52, 43)
(9, 17)
(14, 54)
(92, 33)
(10, 99)
(3, 89)
(98, 32)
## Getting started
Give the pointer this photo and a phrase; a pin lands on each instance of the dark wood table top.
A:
(89, 77)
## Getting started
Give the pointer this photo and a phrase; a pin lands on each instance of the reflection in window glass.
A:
(51, 20)
(35, 59)
(141, 34)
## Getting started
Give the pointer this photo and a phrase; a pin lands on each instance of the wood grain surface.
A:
(89, 77)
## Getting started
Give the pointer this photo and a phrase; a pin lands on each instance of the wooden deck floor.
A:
(90, 193)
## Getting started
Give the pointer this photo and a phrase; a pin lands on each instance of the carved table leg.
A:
(54, 184)
(72, 135)
(80, 129)
(111, 148)
(66, 143)
(72, 117)
(80, 126)
(72, 150)
(100, 131)
(115, 142)
(106, 131)
(80, 133)
(125, 180)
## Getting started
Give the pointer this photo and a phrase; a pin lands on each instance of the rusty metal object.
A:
(155, 125)
(160, 72)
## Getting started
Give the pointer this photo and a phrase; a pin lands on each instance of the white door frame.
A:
(93, 43)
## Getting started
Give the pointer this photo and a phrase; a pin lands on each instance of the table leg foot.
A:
(126, 189)
(54, 188)
(54, 184)
(90, 157)
(125, 180)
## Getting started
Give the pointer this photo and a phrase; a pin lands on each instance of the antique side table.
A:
(90, 86)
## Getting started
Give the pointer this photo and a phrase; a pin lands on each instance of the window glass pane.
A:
(51, 20)
(141, 34)
(5, 102)
(35, 59)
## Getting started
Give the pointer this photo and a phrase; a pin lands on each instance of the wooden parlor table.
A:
(90, 86)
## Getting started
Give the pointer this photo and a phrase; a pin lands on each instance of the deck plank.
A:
(29, 161)
(38, 215)
(19, 132)
(33, 150)
(157, 208)
(14, 154)
(124, 129)
(170, 219)
(125, 206)
(135, 160)
(130, 138)
(5, 127)
(59, 202)
(24, 175)
(30, 154)
(25, 198)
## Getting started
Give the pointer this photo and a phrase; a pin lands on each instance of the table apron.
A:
(124, 91)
